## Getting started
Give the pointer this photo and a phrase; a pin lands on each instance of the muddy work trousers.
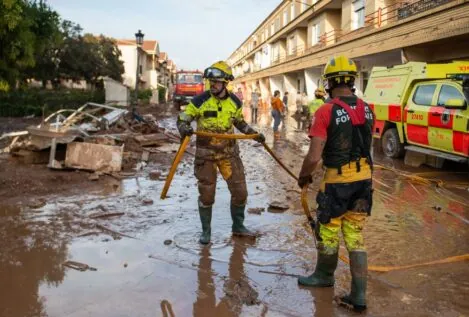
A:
(344, 201)
(231, 169)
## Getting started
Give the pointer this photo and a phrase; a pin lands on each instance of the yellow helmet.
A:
(320, 92)
(219, 71)
(340, 69)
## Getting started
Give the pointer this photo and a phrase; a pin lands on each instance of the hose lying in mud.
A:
(185, 142)
(375, 268)
(304, 200)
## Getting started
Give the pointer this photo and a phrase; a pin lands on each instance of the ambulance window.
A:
(448, 92)
(424, 94)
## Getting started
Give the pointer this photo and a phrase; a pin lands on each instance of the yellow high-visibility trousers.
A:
(351, 223)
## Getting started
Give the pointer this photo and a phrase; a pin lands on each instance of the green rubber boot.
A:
(356, 300)
(323, 275)
(238, 228)
(205, 214)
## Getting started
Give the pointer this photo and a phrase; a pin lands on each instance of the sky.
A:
(194, 33)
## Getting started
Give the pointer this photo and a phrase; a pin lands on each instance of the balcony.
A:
(383, 17)
(418, 7)
(400, 11)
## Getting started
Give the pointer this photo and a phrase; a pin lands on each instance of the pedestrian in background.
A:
(285, 100)
(277, 111)
(298, 112)
(319, 99)
(304, 110)
(254, 105)
(239, 94)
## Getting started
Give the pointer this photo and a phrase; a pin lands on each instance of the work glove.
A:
(260, 138)
(185, 130)
(305, 180)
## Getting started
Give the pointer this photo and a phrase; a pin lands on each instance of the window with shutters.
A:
(315, 34)
(277, 24)
(293, 10)
(358, 14)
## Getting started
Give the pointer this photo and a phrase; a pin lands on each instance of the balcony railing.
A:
(381, 17)
(400, 11)
(297, 50)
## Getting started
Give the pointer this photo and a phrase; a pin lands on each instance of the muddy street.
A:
(138, 255)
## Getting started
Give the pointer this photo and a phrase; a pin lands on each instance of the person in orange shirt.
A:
(277, 110)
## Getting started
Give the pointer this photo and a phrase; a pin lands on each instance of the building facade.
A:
(148, 68)
(289, 49)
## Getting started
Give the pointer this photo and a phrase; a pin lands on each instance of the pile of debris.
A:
(95, 137)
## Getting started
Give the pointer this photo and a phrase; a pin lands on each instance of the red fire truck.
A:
(188, 85)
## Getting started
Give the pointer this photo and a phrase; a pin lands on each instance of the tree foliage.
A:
(36, 43)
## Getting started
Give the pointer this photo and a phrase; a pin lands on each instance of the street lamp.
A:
(139, 40)
(164, 64)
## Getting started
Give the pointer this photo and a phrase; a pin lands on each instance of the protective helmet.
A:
(219, 71)
(320, 92)
(340, 69)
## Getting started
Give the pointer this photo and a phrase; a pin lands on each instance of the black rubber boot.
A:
(205, 214)
(356, 300)
(238, 228)
(323, 275)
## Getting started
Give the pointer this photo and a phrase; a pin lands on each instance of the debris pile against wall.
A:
(95, 137)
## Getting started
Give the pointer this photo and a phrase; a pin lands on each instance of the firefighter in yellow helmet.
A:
(318, 101)
(218, 111)
(341, 135)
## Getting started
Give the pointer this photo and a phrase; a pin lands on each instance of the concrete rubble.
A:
(94, 137)
(94, 157)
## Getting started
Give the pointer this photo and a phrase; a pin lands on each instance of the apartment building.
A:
(154, 66)
(167, 71)
(289, 49)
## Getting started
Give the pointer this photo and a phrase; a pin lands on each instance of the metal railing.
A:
(401, 10)
(379, 18)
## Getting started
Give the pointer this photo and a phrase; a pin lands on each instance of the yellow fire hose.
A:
(304, 203)
(304, 200)
(185, 142)
(269, 150)
(183, 146)
(174, 166)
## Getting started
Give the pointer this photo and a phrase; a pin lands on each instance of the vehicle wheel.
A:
(177, 105)
(391, 145)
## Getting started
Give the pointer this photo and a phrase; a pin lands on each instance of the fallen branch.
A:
(101, 215)
(79, 266)
(92, 233)
(113, 232)
(278, 273)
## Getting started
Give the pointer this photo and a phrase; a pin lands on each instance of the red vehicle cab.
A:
(188, 85)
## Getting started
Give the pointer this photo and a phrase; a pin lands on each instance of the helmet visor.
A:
(216, 74)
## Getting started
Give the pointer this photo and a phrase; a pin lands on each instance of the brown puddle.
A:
(149, 263)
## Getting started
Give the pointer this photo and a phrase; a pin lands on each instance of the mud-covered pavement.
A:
(148, 261)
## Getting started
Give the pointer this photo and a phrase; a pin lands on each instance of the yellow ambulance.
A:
(421, 107)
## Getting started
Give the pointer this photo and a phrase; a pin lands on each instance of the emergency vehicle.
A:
(188, 85)
(421, 107)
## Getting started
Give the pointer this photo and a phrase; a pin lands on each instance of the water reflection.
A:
(236, 287)
(31, 253)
